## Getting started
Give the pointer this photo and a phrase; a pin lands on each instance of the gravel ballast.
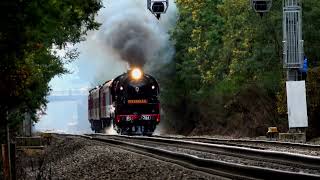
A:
(71, 157)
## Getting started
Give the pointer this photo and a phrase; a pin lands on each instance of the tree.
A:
(29, 33)
(223, 50)
(311, 32)
(198, 30)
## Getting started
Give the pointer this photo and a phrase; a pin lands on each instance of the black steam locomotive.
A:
(129, 103)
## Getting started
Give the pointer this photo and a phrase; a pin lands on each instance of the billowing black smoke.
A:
(135, 36)
(131, 40)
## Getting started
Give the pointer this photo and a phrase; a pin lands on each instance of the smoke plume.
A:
(131, 33)
(131, 40)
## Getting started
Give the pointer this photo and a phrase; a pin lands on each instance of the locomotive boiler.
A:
(129, 104)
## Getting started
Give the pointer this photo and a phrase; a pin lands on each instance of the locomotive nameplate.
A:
(138, 101)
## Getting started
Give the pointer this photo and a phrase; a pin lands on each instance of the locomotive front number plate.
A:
(138, 101)
(146, 117)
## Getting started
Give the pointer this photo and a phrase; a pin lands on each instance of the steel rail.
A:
(284, 158)
(215, 167)
(217, 140)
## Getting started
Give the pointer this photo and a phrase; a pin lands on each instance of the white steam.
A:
(110, 130)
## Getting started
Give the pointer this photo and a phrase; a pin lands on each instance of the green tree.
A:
(196, 34)
(311, 32)
(29, 33)
(223, 51)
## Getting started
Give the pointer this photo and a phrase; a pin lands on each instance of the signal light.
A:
(261, 6)
(158, 7)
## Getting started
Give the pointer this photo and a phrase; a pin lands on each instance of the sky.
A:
(98, 61)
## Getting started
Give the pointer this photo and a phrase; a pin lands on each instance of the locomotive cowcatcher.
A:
(129, 104)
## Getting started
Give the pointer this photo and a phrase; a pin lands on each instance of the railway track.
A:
(247, 143)
(200, 157)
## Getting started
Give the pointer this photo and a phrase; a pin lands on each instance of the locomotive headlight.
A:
(153, 87)
(136, 73)
(121, 88)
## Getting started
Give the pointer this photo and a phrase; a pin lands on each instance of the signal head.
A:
(261, 6)
(158, 7)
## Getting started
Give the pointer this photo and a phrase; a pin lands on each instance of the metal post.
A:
(8, 144)
(292, 38)
(292, 75)
(5, 161)
(13, 161)
(293, 51)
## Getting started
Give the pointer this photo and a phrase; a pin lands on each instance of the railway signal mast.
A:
(293, 59)
(293, 54)
(158, 7)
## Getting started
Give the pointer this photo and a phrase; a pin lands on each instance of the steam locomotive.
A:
(129, 104)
